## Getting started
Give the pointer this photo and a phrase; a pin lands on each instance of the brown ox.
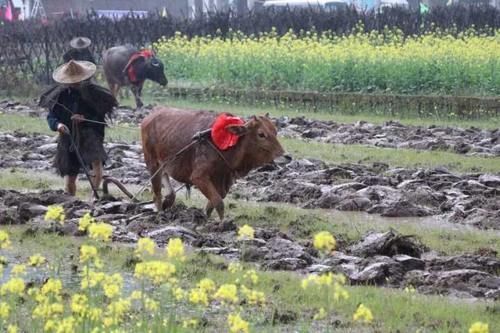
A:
(166, 131)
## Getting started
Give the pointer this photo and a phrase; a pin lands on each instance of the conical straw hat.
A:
(80, 42)
(74, 72)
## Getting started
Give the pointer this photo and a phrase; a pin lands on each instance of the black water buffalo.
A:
(125, 65)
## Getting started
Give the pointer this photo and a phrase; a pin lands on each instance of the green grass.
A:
(332, 153)
(338, 153)
(393, 310)
(12, 122)
(289, 111)
(155, 95)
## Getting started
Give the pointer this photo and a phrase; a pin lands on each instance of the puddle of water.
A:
(421, 223)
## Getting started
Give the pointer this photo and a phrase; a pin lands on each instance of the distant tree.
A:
(198, 7)
(241, 6)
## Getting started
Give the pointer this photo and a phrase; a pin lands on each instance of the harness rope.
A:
(197, 138)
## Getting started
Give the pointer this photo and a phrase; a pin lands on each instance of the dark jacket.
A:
(78, 54)
(94, 103)
(90, 100)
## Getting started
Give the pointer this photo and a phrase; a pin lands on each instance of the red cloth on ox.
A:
(132, 75)
(222, 138)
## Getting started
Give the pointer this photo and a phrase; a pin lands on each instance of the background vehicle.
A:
(318, 4)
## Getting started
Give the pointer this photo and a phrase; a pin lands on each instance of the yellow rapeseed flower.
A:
(320, 315)
(246, 232)
(14, 286)
(4, 310)
(175, 249)
(145, 246)
(237, 324)
(339, 292)
(89, 254)
(310, 279)
(55, 213)
(100, 231)
(52, 286)
(253, 297)
(112, 285)
(4, 240)
(324, 242)
(190, 323)
(94, 314)
(18, 270)
(136, 295)
(234, 267)
(251, 275)
(206, 285)
(36, 260)
(47, 310)
(156, 271)
(198, 296)
(363, 314)
(12, 329)
(50, 326)
(479, 327)
(79, 304)
(85, 221)
(91, 278)
(179, 293)
(227, 293)
(151, 305)
(410, 289)
(67, 325)
(116, 311)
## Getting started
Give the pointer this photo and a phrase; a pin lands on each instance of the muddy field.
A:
(392, 134)
(387, 259)
(384, 259)
(471, 199)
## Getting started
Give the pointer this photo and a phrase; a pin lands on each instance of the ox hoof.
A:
(168, 202)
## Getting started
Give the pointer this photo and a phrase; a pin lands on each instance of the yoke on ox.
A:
(125, 65)
(230, 151)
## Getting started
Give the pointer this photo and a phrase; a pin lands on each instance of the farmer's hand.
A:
(63, 129)
(78, 118)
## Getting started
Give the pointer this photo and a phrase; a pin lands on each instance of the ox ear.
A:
(155, 62)
(267, 115)
(237, 129)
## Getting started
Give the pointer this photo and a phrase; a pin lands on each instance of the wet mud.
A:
(382, 259)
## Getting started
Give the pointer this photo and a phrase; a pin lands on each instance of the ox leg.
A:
(136, 90)
(170, 197)
(156, 185)
(215, 200)
(117, 88)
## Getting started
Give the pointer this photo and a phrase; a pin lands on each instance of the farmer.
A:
(79, 50)
(77, 110)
